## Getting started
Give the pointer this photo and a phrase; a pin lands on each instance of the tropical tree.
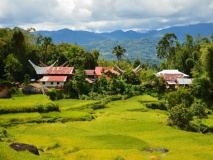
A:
(12, 65)
(166, 47)
(46, 41)
(118, 51)
(136, 63)
(207, 59)
(79, 82)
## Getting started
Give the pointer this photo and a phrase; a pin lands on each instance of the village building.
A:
(51, 76)
(174, 78)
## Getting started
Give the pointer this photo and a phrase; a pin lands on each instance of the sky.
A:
(104, 15)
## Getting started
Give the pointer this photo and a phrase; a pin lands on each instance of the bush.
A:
(49, 107)
(199, 109)
(180, 116)
(182, 96)
(52, 94)
(159, 105)
(14, 90)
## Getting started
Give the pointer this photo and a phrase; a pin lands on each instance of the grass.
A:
(74, 104)
(20, 117)
(121, 130)
(23, 103)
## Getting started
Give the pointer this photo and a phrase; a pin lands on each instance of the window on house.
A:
(57, 83)
(43, 82)
(51, 83)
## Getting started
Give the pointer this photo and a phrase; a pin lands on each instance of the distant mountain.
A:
(204, 29)
(138, 45)
(83, 37)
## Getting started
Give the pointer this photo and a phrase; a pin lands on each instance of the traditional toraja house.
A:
(136, 70)
(174, 78)
(51, 76)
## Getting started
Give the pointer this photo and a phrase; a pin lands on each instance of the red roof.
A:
(53, 79)
(99, 70)
(112, 71)
(90, 72)
(59, 70)
(172, 77)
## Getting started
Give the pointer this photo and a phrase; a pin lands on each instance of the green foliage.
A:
(52, 94)
(166, 47)
(144, 49)
(130, 77)
(26, 79)
(207, 58)
(15, 90)
(70, 91)
(136, 63)
(118, 51)
(180, 116)
(181, 96)
(79, 83)
(78, 57)
(202, 87)
(12, 65)
(49, 107)
(198, 109)
(102, 84)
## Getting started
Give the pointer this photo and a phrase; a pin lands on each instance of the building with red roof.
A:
(52, 81)
(51, 76)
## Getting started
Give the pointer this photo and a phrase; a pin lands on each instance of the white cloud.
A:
(103, 15)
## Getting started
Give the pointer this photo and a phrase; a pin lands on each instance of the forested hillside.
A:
(138, 45)
(143, 49)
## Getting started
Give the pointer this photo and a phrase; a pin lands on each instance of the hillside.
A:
(138, 45)
(144, 49)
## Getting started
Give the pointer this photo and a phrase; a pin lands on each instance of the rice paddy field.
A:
(122, 130)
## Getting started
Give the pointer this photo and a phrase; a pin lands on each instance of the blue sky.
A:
(104, 15)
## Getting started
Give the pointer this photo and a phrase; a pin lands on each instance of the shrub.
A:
(14, 90)
(52, 94)
(159, 105)
(199, 109)
(49, 107)
(180, 116)
(182, 96)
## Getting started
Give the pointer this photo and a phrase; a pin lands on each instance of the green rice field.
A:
(120, 131)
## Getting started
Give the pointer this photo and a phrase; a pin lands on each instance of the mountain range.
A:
(138, 45)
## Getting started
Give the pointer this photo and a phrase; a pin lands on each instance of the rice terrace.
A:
(123, 129)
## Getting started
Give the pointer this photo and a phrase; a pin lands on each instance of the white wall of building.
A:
(51, 84)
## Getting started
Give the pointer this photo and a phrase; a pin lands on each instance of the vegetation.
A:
(122, 115)
(123, 129)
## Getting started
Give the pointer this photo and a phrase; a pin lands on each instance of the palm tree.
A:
(119, 52)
